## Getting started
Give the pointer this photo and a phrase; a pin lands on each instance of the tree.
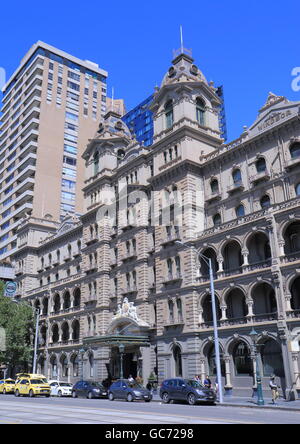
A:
(17, 322)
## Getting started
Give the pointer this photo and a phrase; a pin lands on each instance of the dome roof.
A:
(183, 70)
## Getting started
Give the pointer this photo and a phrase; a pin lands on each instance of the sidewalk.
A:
(234, 401)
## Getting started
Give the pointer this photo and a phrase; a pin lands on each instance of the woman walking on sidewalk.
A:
(274, 388)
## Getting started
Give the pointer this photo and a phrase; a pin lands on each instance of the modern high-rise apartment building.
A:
(51, 106)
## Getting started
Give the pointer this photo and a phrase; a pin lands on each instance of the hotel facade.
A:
(129, 273)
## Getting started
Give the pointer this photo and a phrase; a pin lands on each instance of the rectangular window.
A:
(73, 96)
(66, 207)
(74, 76)
(67, 196)
(70, 138)
(8, 190)
(4, 226)
(74, 86)
(73, 65)
(68, 172)
(71, 126)
(70, 149)
(6, 213)
(71, 116)
(68, 184)
(70, 161)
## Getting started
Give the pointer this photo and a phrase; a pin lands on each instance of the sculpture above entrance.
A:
(127, 310)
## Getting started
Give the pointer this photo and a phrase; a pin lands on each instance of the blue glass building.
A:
(140, 122)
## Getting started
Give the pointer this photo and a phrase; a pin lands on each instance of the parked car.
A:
(32, 386)
(131, 391)
(189, 390)
(60, 388)
(89, 389)
(7, 386)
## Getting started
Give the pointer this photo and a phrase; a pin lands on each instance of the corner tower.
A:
(184, 101)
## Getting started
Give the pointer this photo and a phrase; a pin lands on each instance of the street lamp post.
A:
(208, 261)
(121, 350)
(260, 398)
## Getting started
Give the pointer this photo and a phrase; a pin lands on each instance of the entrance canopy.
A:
(126, 328)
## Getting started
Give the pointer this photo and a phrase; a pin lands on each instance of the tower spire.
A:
(181, 40)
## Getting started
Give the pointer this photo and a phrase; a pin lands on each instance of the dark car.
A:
(131, 391)
(89, 389)
(186, 390)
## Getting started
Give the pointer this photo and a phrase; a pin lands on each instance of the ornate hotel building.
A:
(128, 271)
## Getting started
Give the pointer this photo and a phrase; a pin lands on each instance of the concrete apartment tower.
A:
(51, 106)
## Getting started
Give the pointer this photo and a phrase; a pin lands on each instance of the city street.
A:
(81, 411)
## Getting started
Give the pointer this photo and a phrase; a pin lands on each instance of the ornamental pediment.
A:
(273, 115)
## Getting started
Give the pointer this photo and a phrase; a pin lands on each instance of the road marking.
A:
(122, 414)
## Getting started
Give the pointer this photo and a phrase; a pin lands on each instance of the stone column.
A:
(245, 254)
(221, 264)
(228, 384)
(250, 304)
(202, 369)
(295, 359)
(223, 309)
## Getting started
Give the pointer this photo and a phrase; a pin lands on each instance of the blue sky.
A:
(249, 47)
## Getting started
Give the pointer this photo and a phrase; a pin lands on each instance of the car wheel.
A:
(59, 394)
(111, 397)
(17, 393)
(166, 398)
(129, 397)
(191, 399)
(31, 394)
(147, 400)
(74, 395)
(90, 395)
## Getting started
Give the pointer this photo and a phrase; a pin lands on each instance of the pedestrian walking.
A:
(131, 378)
(207, 382)
(274, 388)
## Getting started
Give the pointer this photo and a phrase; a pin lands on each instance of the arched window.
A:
(265, 202)
(214, 185)
(169, 114)
(200, 111)
(261, 165)
(295, 150)
(177, 361)
(217, 220)
(96, 163)
(242, 359)
(75, 364)
(237, 177)
(179, 310)
(91, 364)
(297, 189)
(64, 366)
(240, 211)
(271, 356)
(211, 357)
(171, 310)
(54, 367)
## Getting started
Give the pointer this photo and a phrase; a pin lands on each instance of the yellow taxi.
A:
(28, 384)
(7, 386)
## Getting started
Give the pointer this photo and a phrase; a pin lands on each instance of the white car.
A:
(60, 388)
